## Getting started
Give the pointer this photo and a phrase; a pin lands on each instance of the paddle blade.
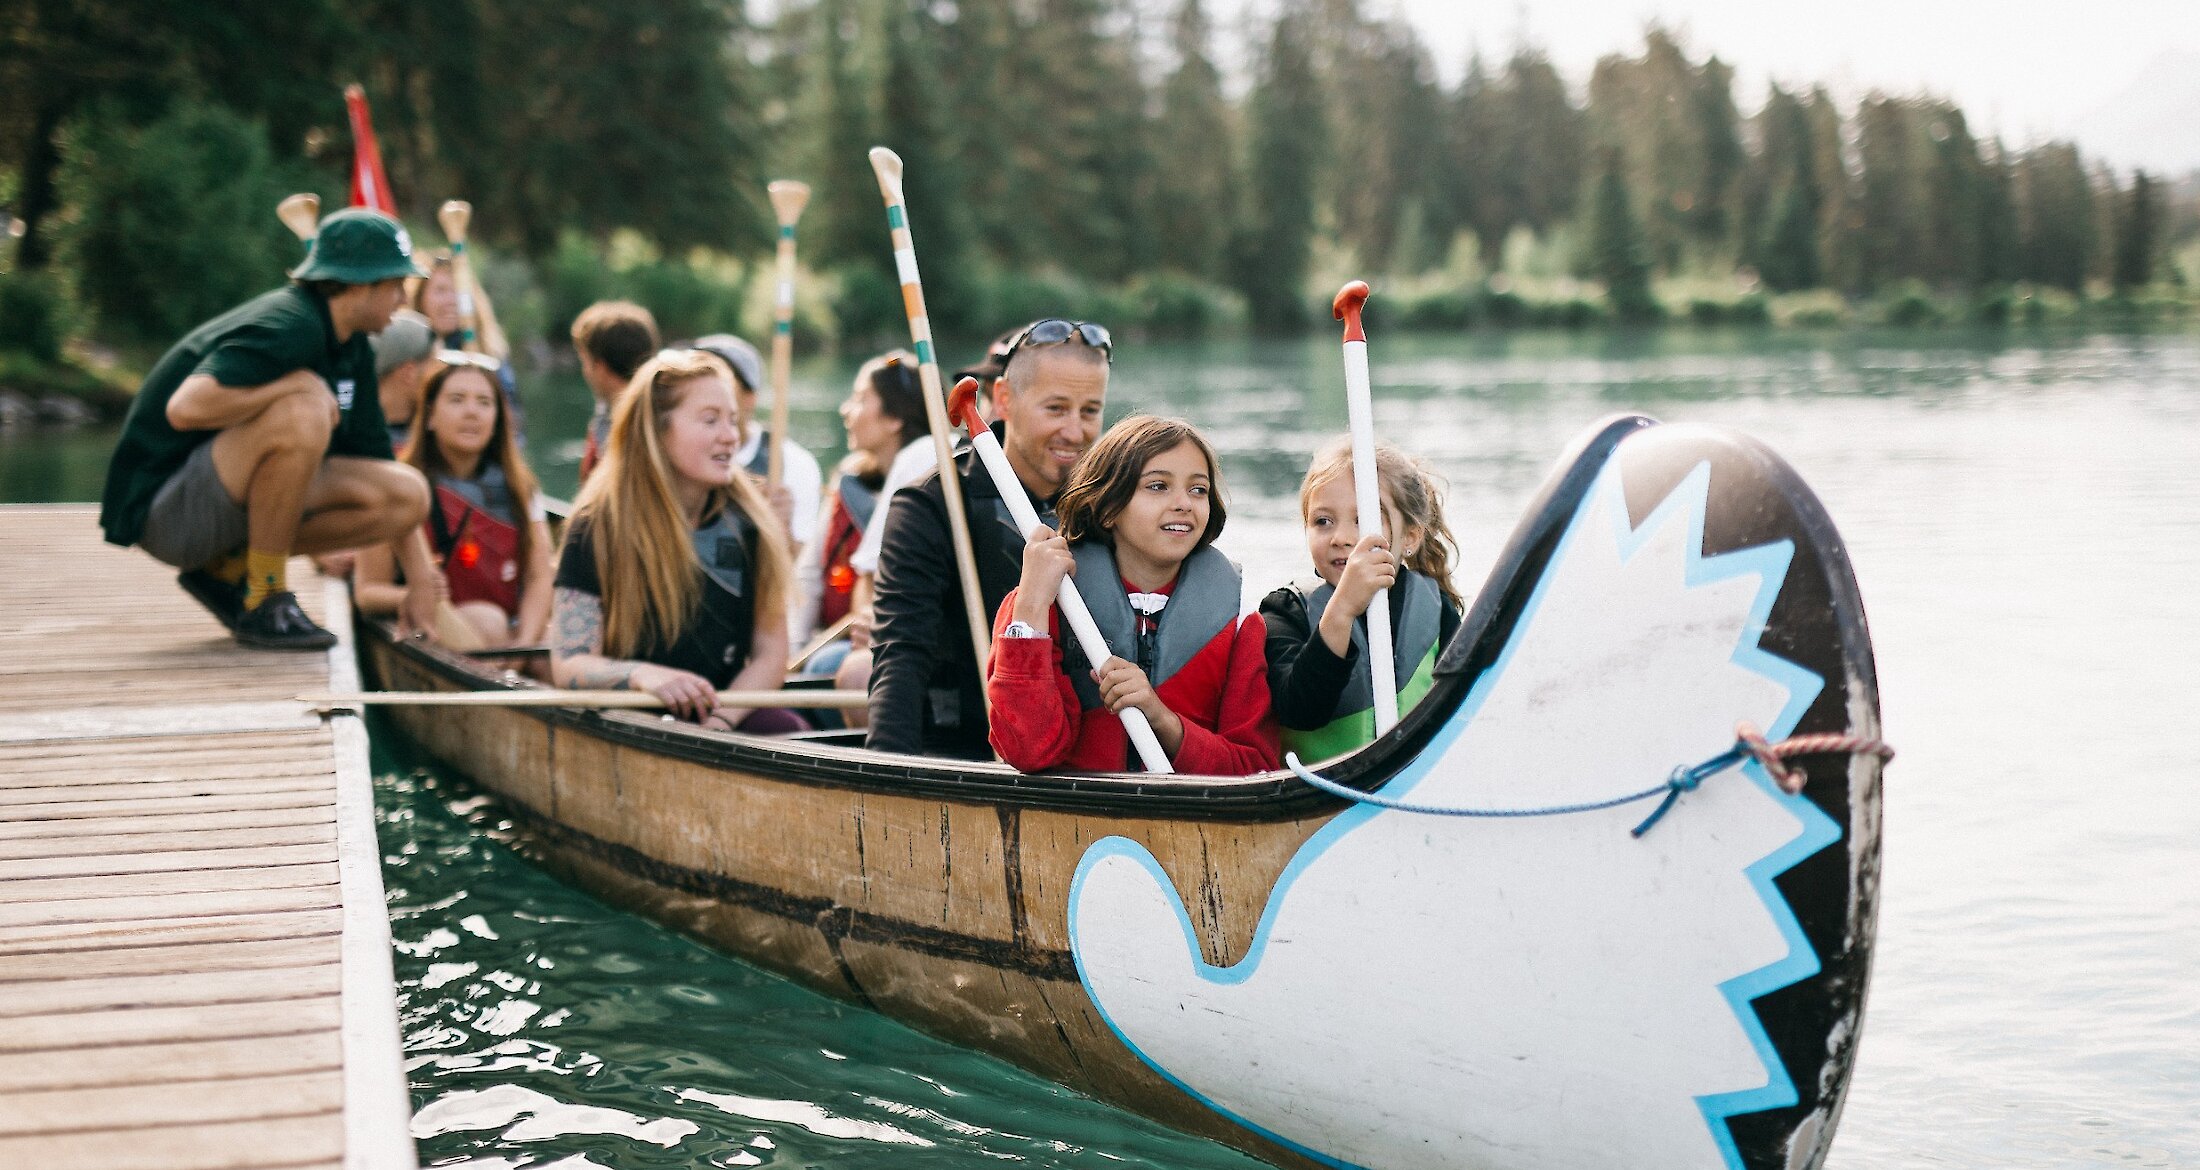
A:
(887, 166)
(788, 199)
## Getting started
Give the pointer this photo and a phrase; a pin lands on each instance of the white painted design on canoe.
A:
(1527, 993)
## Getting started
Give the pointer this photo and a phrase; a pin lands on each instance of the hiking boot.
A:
(223, 599)
(278, 624)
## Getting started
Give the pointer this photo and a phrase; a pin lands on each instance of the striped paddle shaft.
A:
(469, 338)
(887, 165)
(788, 198)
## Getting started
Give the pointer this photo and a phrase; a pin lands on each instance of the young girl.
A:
(1317, 630)
(1139, 518)
(675, 576)
(486, 525)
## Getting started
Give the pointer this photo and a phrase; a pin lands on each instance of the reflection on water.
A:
(543, 1028)
(2024, 518)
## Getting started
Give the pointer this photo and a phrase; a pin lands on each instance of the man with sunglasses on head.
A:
(260, 435)
(927, 697)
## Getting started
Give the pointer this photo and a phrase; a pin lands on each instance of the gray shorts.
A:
(193, 520)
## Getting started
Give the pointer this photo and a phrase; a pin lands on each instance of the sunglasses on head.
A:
(1055, 331)
(459, 357)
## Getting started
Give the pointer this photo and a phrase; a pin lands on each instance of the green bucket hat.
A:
(359, 246)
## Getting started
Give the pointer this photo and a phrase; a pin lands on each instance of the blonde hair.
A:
(502, 449)
(1407, 485)
(645, 556)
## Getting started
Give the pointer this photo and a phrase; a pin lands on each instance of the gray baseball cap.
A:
(748, 365)
(407, 338)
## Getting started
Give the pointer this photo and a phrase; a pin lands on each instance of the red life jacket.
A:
(853, 504)
(480, 552)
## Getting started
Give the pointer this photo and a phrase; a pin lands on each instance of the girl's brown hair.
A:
(503, 448)
(1105, 479)
(1407, 485)
(645, 558)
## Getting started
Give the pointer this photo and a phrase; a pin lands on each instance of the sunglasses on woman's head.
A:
(1055, 331)
(459, 357)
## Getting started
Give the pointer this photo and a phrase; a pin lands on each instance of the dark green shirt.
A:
(251, 345)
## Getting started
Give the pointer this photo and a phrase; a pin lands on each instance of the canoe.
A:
(1306, 976)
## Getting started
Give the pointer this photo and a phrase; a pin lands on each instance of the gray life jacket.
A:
(1203, 604)
(725, 547)
(1420, 623)
(487, 490)
(860, 500)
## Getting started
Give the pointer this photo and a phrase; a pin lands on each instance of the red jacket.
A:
(1221, 696)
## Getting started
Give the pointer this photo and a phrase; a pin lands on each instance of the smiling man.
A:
(261, 435)
(926, 694)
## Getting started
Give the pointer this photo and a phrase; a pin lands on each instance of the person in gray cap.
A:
(401, 353)
(260, 435)
(802, 483)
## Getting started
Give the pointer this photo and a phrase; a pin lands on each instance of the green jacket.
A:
(251, 345)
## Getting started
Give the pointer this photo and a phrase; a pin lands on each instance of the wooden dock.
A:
(194, 951)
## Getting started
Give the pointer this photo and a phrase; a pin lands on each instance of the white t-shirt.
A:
(799, 471)
(915, 461)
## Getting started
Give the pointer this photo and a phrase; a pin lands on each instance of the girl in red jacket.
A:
(1139, 518)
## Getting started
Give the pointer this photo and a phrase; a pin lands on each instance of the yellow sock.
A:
(230, 568)
(263, 575)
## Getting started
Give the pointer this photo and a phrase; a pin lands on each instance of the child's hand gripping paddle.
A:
(962, 407)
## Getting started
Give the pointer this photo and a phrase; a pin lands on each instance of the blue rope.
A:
(1684, 779)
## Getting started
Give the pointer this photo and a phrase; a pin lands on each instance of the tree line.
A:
(1098, 138)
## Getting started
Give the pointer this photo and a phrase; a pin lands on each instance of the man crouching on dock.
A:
(260, 435)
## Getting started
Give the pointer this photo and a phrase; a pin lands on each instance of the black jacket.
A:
(926, 694)
(1304, 677)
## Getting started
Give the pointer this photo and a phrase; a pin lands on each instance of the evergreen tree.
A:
(1997, 217)
(1890, 197)
(1953, 194)
(914, 124)
(847, 213)
(1616, 247)
(2055, 209)
(2137, 235)
(1193, 142)
(1287, 143)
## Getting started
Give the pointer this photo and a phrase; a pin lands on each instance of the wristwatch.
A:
(1021, 630)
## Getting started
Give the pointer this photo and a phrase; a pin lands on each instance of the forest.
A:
(1126, 160)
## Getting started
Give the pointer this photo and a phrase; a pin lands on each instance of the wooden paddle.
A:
(887, 166)
(788, 198)
(301, 213)
(824, 638)
(476, 316)
(548, 697)
(1359, 408)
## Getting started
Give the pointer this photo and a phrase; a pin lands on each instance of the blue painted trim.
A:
(895, 217)
(786, 231)
(783, 327)
(1770, 562)
(924, 353)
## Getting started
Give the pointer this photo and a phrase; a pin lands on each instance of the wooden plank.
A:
(187, 754)
(154, 932)
(183, 958)
(235, 745)
(79, 775)
(191, 904)
(178, 1102)
(174, 861)
(95, 793)
(175, 840)
(153, 806)
(13, 830)
(124, 991)
(276, 1144)
(135, 1064)
(194, 881)
(61, 1034)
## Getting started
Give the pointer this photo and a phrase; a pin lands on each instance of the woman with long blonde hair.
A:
(675, 575)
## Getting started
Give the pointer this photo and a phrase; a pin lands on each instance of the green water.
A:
(542, 1026)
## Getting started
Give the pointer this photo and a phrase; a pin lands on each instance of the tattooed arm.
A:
(576, 644)
(578, 662)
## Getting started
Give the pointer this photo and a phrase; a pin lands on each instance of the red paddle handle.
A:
(962, 406)
(1347, 309)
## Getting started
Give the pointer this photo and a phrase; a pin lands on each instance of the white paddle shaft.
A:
(1367, 489)
(1072, 603)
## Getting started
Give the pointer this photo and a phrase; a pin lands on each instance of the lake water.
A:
(2024, 519)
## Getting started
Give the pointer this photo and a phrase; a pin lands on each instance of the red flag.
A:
(369, 186)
